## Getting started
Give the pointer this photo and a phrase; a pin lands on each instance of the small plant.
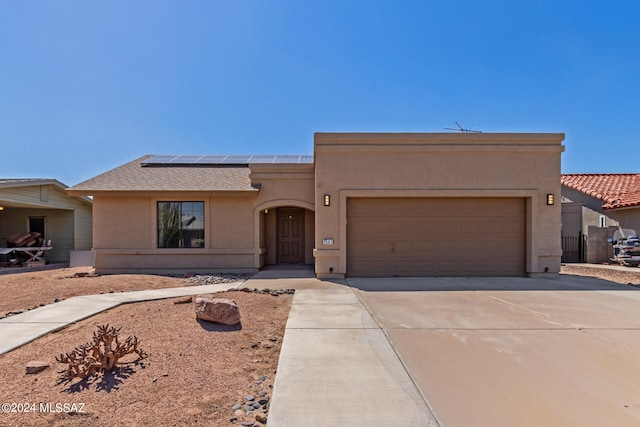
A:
(100, 355)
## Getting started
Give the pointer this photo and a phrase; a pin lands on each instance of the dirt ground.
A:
(195, 373)
(31, 289)
(629, 276)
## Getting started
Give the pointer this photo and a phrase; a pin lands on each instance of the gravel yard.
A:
(624, 275)
(197, 373)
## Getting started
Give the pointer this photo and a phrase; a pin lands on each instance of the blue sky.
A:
(88, 85)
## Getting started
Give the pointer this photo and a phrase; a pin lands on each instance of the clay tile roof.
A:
(133, 176)
(616, 190)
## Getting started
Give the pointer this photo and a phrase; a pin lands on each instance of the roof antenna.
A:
(463, 130)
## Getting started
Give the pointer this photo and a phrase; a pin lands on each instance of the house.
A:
(42, 205)
(365, 204)
(595, 205)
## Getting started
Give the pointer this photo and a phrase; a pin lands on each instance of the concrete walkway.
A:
(23, 328)
(337, 368)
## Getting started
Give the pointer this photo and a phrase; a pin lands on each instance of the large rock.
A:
(218, 310)
(35, 366)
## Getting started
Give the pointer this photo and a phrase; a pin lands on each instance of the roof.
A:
(29, 182)
(615, 190)
(234, 159)
(25, 182)
(133, 176)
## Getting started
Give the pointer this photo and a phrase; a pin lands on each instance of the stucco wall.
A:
(627, 218)
(592, 210)
(438, 165)
(125, 234)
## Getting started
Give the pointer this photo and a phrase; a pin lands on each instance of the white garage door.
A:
(435, 237)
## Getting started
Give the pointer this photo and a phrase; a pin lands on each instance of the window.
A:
(603, 221)
(181, 224)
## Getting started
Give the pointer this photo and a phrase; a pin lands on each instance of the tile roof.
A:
(133, 177)
(616, 190)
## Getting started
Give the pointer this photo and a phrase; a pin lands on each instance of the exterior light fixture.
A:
(266, 211)
(551, 199)
(327, 200)
(1, 208)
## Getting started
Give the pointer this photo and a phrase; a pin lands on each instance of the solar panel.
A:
(261, 158)
(185, 159)
(237, 159)
(159, 159)
(220, 159)
(211, 159)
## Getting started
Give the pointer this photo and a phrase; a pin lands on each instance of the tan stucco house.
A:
(365, 204)
(42, 205)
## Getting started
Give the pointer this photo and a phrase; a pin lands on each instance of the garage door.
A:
(435, 237)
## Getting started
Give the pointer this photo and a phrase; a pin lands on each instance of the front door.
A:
(290, 236)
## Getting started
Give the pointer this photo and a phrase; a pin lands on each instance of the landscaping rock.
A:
(217, 310)
(35, 366)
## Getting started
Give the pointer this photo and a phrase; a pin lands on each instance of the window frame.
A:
(182, 232)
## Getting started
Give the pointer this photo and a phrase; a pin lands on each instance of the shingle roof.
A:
(22, 182)
(618, 190)
(133, 177)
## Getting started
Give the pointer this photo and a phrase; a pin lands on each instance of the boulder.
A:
(217, 310)
(35, 366)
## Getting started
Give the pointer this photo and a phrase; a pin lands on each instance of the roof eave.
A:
(95, 192)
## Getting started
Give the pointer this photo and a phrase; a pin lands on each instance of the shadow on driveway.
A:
(563, 282)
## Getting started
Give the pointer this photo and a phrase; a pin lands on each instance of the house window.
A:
(181, 224)
(603, 221)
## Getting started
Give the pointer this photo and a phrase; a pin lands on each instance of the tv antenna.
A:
(463, 130)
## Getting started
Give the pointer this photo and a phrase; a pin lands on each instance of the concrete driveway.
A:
(515, 352)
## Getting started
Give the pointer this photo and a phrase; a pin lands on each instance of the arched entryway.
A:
(286, 234)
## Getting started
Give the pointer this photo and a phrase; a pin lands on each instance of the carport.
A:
(41, 205)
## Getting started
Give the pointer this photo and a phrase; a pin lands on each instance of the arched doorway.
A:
(286, 233)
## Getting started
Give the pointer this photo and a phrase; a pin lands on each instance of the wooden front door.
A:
(290, 236)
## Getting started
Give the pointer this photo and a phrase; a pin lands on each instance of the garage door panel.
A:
(367, 246)
(467, 228)
(502, 209)
(445, 228)
(436, 237)
(427, 247)
(509, 228)
(495, 249)
(423, 228)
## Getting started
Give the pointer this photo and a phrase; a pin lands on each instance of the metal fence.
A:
(574, 248)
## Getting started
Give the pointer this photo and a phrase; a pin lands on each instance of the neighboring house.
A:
(365, 204)
(595, 205)
(42, 205)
